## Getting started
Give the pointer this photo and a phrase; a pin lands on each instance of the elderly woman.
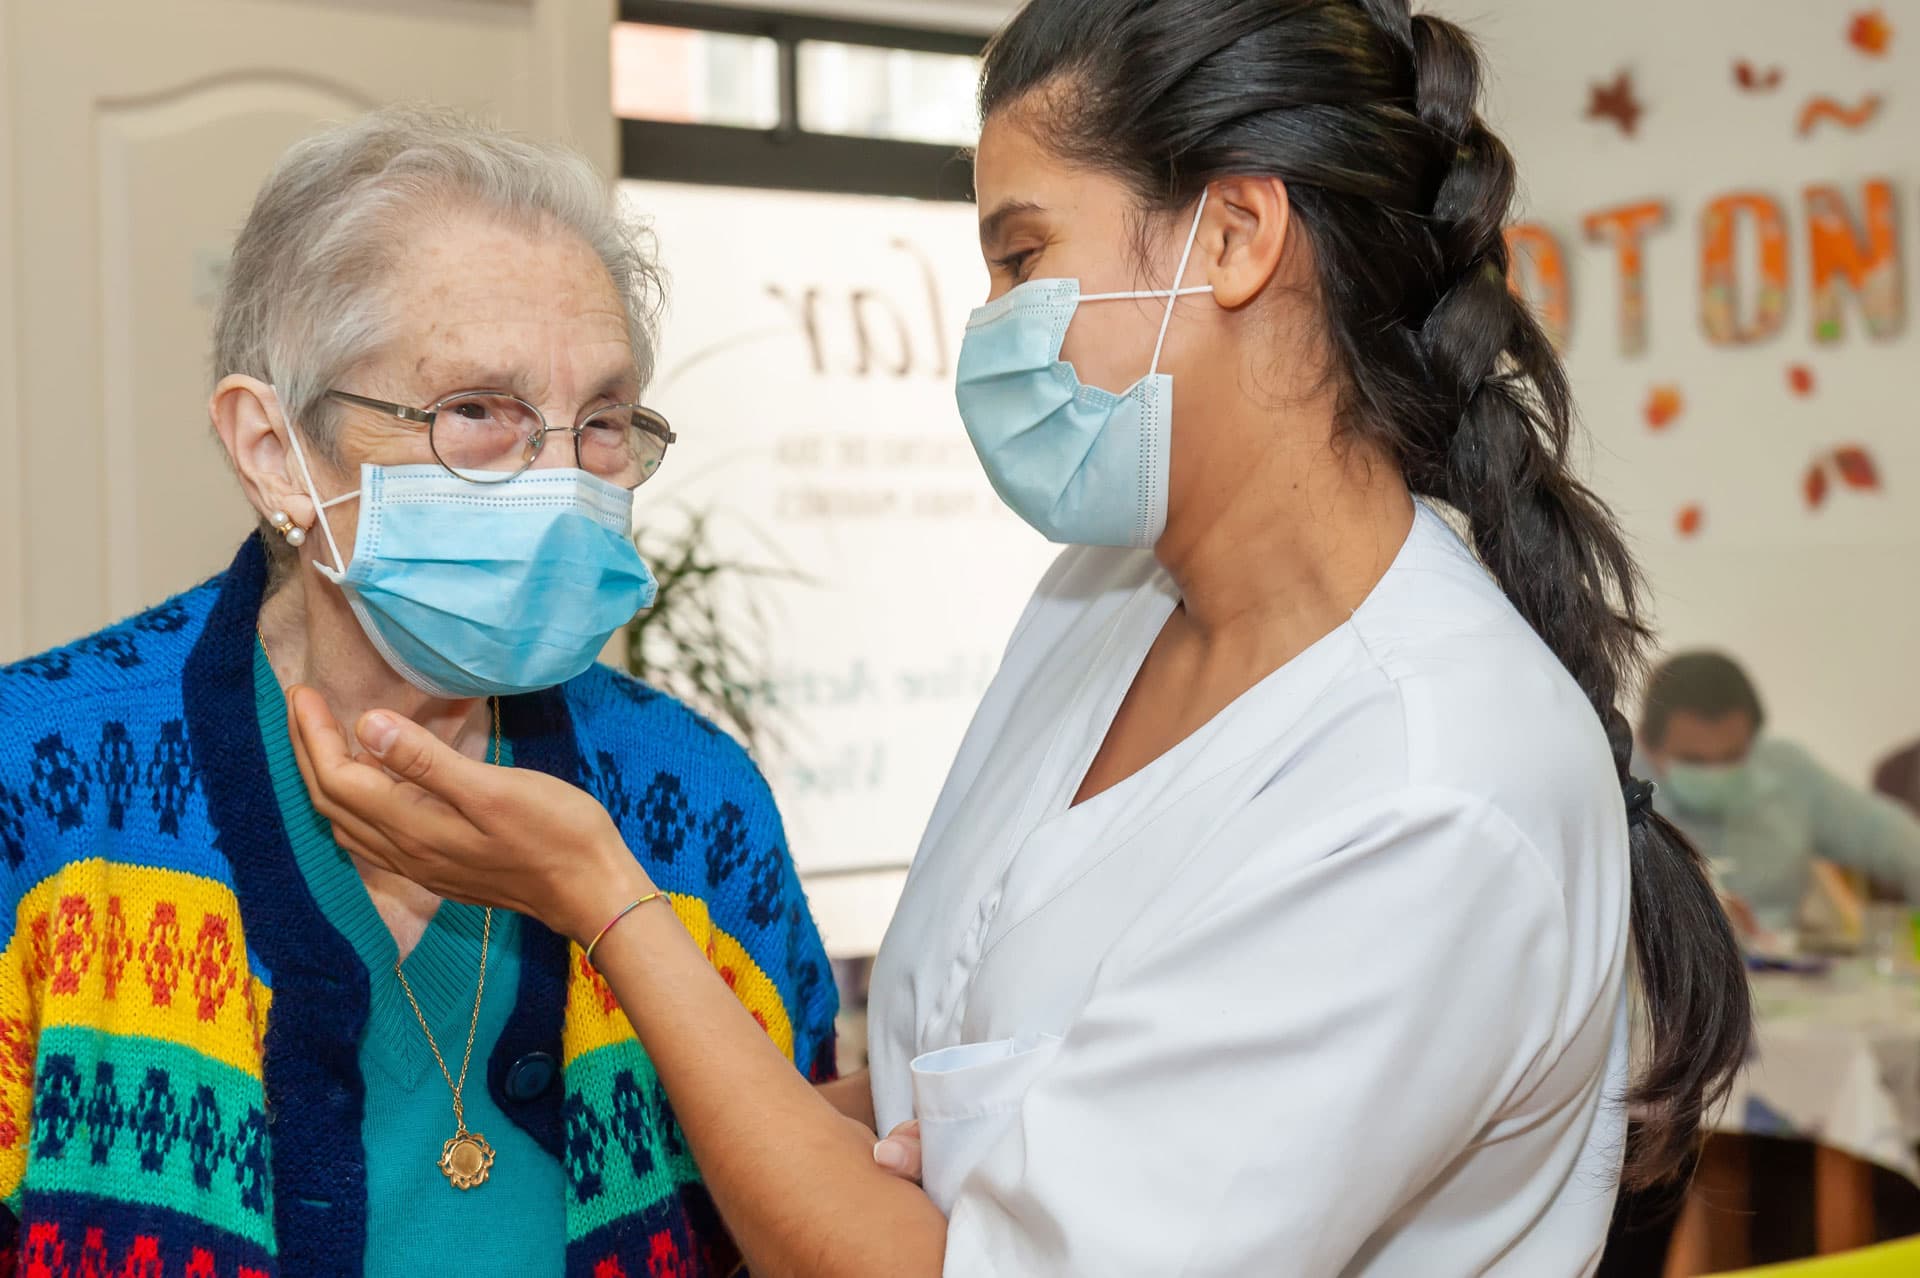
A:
(228, 1047)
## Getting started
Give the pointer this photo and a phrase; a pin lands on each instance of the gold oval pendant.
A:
(466, 1160)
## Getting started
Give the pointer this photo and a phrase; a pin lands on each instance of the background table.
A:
(1836, 1064)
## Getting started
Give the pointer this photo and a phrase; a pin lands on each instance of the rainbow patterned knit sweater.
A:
(179, 1076)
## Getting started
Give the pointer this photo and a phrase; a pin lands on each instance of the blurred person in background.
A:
(1277, 912)
(230, 1046)
(1761, 809)
(1898, 777)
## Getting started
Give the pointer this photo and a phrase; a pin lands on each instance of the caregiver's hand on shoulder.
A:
(507, 837)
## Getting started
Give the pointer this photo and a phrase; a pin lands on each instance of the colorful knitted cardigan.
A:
(179, 1081)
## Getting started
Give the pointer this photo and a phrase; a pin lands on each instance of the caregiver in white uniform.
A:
(1275, 918)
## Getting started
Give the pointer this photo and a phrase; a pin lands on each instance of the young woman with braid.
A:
(1277, 915)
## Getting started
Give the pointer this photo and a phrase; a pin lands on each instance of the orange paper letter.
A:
(1626, 229)
(1537, 274)
(1720, 275)
(1845, 263)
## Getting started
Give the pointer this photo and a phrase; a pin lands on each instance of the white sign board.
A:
(807, 366)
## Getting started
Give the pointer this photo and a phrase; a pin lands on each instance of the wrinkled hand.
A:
(899, 1153)
(465, 830)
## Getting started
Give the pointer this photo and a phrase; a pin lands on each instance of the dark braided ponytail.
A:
(1370, 116)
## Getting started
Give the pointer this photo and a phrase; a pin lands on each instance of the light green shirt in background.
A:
(1791, 811)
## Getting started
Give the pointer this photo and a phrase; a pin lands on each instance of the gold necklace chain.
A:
(467, 1158)
(473, 1027)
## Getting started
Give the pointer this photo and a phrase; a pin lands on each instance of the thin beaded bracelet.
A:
(628, 909)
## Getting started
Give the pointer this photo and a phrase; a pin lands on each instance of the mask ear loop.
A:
(320, 507)
(1173, 294)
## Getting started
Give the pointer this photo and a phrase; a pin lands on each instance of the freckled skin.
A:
(478, 306)
(485, 306)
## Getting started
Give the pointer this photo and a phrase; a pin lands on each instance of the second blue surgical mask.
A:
(1082, 465)
(1706, 790)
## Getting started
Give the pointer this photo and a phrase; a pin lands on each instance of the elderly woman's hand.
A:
(506, 837)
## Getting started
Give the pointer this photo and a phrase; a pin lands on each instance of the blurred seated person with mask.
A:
(1760, 809)
(1898, 777)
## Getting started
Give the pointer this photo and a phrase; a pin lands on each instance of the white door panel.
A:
(132, 138)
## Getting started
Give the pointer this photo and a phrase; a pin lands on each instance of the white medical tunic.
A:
(1333, 987)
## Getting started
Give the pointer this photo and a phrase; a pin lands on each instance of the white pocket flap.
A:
(964, 1096)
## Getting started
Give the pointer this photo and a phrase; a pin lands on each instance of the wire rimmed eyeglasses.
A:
(489, 437)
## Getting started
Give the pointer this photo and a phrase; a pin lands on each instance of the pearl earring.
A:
(283, 524)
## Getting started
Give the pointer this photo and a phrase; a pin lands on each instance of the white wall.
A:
(132, 138)
(1823, 605)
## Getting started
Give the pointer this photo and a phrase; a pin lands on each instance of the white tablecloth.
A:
(1837, 1062)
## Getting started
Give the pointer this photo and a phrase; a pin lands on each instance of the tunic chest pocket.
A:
(964, 1098)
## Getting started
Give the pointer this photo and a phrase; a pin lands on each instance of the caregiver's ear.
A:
(247, 415)
(1243, 236)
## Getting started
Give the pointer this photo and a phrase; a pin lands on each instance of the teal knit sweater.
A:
(180, 1081)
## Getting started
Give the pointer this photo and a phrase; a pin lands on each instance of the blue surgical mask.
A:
(1082, 465)
(472, 590)
(1706, 790)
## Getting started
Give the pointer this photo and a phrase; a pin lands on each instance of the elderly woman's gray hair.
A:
(303, 301)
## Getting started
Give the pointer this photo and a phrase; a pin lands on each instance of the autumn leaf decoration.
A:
(1664, 405)
(1851, 466)
(1754, 80)
(1856, 468)
(1854, 118)
(1616, 102)
(1815, 485)
(1871, 33)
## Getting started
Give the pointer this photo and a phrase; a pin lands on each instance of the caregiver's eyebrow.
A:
(994, 225)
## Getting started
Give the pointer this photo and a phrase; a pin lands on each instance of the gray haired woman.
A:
(227, 1046)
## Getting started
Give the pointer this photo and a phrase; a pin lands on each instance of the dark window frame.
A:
(788, 157)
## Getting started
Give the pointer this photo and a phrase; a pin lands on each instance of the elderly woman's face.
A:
(483, 306)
